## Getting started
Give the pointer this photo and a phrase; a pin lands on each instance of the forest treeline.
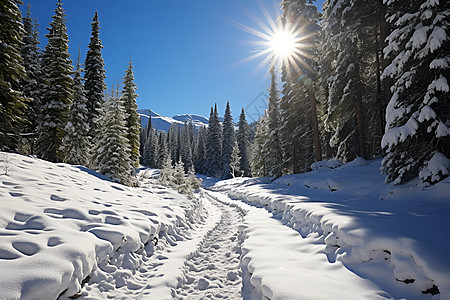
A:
(371, 81)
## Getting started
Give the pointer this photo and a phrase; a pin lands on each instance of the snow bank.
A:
(63, 226)
(396, 236)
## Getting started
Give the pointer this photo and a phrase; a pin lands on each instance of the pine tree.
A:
(57, 85)
(111, 153)
(77, 142)
(200, 151)
(274, 152)
(228, 142)
(417, 137)
(187, 134)
(173, 143)
(133, 121)
(298, 133)
(243, 136)
(31, 60)
(12, 73)
(167, 171)
(94, 75)
(214, 145)
(163, 152)
(353, 30)
(235, 167)
(259, 148)
(149, 142)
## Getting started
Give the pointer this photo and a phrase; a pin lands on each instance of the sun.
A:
(283, 44)
(278, 41)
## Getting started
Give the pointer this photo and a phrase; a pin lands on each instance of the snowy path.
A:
(278, 263)
(213, 270)
(159, 274)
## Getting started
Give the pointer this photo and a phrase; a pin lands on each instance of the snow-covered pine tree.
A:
(132, 118)
(111, 153)
(243, 136)
(163, 152)
(77, 141)
(214, 145)
(235, 161)
(187, 133)
(200, 150)
(228, 142)
(173, 143)
(94, 75)
(12, 72)
(417, 137)
(57, 89)
(149, 141)
(274, 153)
(344, 114)
(167, 171)
(259, 149)
(32, 84)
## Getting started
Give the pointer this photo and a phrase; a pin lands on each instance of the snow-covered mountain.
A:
(163, 123)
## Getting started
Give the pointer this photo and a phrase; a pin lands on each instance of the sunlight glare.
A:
(283, 44)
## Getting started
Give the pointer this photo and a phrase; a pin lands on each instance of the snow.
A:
(395, 236)
(337, 232)
(62, 224)
(439, 163)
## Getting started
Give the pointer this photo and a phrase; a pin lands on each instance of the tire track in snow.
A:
(213, 270)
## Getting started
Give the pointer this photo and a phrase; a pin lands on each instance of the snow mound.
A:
(63, 226)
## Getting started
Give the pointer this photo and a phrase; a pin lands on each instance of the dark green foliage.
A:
(228, 142)
(32, 85)
(214, 145)
(243, 136)
(132, 118)
(94, 74)
(12, 74)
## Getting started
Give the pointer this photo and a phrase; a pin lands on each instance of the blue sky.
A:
(187, 54)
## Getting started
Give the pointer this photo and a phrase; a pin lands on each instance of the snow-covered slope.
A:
(163, 123)
(395, 236)
(62, 226)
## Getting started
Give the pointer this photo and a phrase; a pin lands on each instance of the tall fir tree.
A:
(274, 151)
(228, 141)
(187, 134)
(12, 73)
(32, 85)
(214, 145)
(417, 137)
(94, 75)
(259, 148)
(57, 89)
(299, 134)
(173, 143)
(243, 136)
(132, 118)
(200, 151)
(149, 142)
(111, 152)
(77, 141)
(163, 155)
